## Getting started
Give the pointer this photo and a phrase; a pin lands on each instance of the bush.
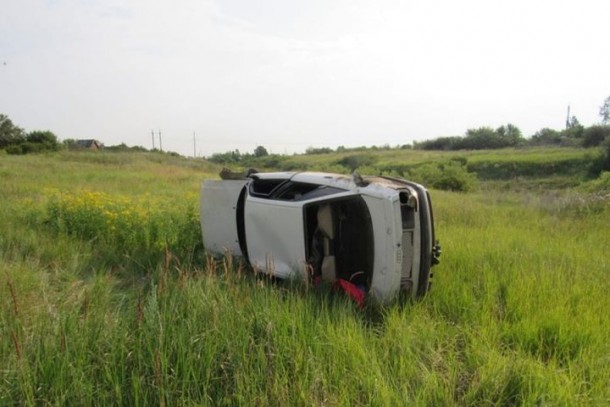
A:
(9, 133)
(31, 147)
(35, 142)
(42, 137)
(441, 143)
(477, 139)
(602, 162)
(320, 150)
(545, 136)
(15, 149)
(449, 176)
(595, 135)
(599, 185)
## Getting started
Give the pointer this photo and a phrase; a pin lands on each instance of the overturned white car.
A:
(375, 232)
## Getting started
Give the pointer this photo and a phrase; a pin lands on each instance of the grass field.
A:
(406, 158)
(106, 299)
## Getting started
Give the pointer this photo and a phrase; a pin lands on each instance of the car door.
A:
(218, 215)
(274, 228)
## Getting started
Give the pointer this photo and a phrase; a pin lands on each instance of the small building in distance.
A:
(88, 144)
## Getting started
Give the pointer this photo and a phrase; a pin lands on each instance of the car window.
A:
(263, 187)
(300, 191)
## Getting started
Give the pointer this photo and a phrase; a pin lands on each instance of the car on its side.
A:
(376, 232)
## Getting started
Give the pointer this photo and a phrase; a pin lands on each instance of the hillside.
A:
(553, 167)
(107, 298)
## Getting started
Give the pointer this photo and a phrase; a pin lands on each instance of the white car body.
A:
(376, 230)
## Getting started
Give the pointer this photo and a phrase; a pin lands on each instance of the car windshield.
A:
(300, 191)
(283, 190)
(339, 240)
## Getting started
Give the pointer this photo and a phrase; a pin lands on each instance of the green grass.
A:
(517, 314)
(556, 167)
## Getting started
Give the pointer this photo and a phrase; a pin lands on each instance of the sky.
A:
(218, 75)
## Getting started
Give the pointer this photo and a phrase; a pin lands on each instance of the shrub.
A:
(33, 147)
(600, 185)
(595, 135)
(445, 176)
(42, 137)
(440, 143)
(14, 149)
(34, 144)
(9, 133)
(601, 162)
(320, 150)
(545, 136)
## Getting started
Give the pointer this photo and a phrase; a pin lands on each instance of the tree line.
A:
(484, 138)
(235, 156)
(14, 140)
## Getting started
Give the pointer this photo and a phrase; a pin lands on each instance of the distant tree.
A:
(604, 111)
(546, 136)
(476, 139)
(125, 148)
(9, 133)
(482, 138)
(573, 123)
(595, 135)
(41, 140)
(43, 137)
(440, 143)
(260, 151)
(318, 150)
(574, 130)
(229, 157)
(510, 134)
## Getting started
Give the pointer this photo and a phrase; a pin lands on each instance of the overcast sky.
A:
(293, 74)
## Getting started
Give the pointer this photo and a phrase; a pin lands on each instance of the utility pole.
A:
(568, 118)
(152, 133)
(194, 146)
(160, 143)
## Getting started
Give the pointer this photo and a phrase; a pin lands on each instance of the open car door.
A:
(275, 236)
(218, 210)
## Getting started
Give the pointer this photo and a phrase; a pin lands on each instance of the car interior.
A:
(340, 241)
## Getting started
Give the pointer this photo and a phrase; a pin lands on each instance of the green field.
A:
(106, 297)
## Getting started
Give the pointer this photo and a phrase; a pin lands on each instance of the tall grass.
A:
(141, 230)
(517, 314)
